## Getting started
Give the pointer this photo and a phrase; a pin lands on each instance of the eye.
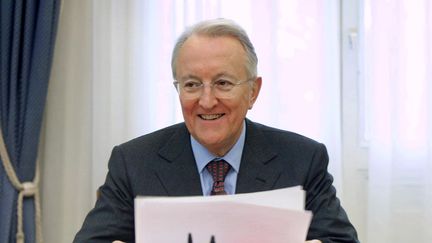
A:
(191, 84)
(224, 84)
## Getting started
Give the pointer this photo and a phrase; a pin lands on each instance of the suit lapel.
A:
(179, 174)
(256, 171)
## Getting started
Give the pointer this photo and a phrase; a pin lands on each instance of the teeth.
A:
(211, 116)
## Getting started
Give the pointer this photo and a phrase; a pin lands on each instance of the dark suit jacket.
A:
(162, 164)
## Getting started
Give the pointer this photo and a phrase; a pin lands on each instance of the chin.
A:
(210, 141)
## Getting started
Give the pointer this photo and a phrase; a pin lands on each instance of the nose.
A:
(207, 99)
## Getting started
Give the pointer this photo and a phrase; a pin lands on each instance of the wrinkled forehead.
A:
(215, 43)
(220, 54)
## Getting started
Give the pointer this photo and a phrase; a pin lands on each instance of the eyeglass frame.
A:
(212, 84)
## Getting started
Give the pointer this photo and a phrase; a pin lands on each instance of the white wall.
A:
(66, 146)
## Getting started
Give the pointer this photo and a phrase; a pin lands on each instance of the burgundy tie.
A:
(218, 170)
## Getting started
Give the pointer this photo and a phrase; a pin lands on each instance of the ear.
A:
(256, 87)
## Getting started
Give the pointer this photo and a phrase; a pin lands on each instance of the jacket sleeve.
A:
(112, 217)
(330, 223)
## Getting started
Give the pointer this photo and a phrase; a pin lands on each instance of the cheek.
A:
(187, 110)
(187, 106)
(239, 108)
(246, 100)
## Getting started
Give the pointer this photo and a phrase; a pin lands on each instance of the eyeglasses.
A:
(222, 88)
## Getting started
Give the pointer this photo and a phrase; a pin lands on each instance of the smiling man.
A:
(216, 150)
(215, 90)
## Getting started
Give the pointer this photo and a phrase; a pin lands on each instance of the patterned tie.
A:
(218, 170)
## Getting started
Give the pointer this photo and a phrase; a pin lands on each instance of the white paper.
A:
(273, 217)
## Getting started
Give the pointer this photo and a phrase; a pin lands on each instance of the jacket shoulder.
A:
(155, 140)
(275, 136)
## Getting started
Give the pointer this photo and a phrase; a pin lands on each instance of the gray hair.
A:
(216, 28)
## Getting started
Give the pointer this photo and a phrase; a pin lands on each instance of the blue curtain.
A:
(27, 34)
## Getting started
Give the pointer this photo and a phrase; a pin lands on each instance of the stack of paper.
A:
(276, 216)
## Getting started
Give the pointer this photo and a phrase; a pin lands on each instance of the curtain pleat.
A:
(27, 34)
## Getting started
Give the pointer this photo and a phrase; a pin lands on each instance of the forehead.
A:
(220, 54)
(202, 40)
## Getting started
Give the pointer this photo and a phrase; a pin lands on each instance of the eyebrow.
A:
(189, 76)
(219, 75)
(223, 74)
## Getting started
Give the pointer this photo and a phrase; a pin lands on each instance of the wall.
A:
(66, 146)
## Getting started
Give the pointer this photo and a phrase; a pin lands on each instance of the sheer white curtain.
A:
(398, 115)
(297, 46)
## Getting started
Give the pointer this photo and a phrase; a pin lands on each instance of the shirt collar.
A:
(233, 157)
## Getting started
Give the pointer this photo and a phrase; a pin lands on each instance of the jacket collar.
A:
(256, 171)
(180, 174)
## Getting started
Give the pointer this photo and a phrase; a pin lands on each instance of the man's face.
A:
(215, 122)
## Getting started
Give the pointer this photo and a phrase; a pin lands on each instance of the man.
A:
(215, 70)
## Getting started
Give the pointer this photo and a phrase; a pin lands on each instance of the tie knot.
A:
(218, 169)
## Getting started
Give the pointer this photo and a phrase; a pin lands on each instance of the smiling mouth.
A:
(211, 117)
